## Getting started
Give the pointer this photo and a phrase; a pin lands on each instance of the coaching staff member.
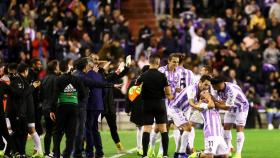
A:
(65, 111)
(154, 89)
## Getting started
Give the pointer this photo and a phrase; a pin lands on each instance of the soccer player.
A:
(195, 116)
(232, 95)
(215, 145)
(186, 79)
(213, 130)
(177, 108)
(173, 78)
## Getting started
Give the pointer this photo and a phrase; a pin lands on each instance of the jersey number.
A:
(210, 143)
(183, 83)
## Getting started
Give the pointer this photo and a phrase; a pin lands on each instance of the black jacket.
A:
(20, 96)
(62, 83)
(47, 90)
(109, 105)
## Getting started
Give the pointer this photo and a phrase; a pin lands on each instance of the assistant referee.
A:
(154, 89)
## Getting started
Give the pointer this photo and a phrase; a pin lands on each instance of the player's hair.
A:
(80, 64)
(205, 77)
(153, 59)
(208, 68)
(34, 61)
(217, 80)
(63, 66)
(12, 66)
(52, 66)
(173, 55)
(22, 67)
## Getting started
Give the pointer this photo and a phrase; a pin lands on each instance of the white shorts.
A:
(178, 117)
(215, 145)
(194, 116)
(238, 118)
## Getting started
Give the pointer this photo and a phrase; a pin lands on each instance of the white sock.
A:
(6, 143)
(228, 138)
(240, 138)
(177, 138)
(184, 142)
(191, 138)
(37, 142)
(153, 138)
(139, 137)
(160, 150)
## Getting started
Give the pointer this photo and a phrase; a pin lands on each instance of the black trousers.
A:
(66, 121)
(20, 129)
(49, 132)
(93, 137)
(112, 123)
(80, 134)
(38, 118)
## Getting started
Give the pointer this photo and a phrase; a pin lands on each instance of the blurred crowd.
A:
(239, 38)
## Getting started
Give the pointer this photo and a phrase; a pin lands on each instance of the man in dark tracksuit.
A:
(18, 101)
(46, 95)
(33, 75)
(82, 67)
(110, 106)
(69, 91)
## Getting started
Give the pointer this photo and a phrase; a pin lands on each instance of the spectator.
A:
(253, 114)
(274, 11)
(79, 31)
(233, 77)
(77, 7)
(251, 8)
(160, 7)
(271, 54)
(274, 26)
(198, 43)
(40, 48)
(222, 35)
(258, 21)
(61, 48)
(273, 108)
(168, 43)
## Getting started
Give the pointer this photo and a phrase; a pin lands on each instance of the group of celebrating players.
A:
(199, 100)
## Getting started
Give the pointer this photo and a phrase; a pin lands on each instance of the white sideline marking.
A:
(130, 151)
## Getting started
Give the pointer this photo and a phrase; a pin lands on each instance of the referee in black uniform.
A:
(154, 89)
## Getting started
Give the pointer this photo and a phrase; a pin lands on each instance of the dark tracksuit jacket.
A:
(46, 96)
(109, 105)
(69, 92)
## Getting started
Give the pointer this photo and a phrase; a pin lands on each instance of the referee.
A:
(154, 89)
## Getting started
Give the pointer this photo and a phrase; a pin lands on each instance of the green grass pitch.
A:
(258, 143)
